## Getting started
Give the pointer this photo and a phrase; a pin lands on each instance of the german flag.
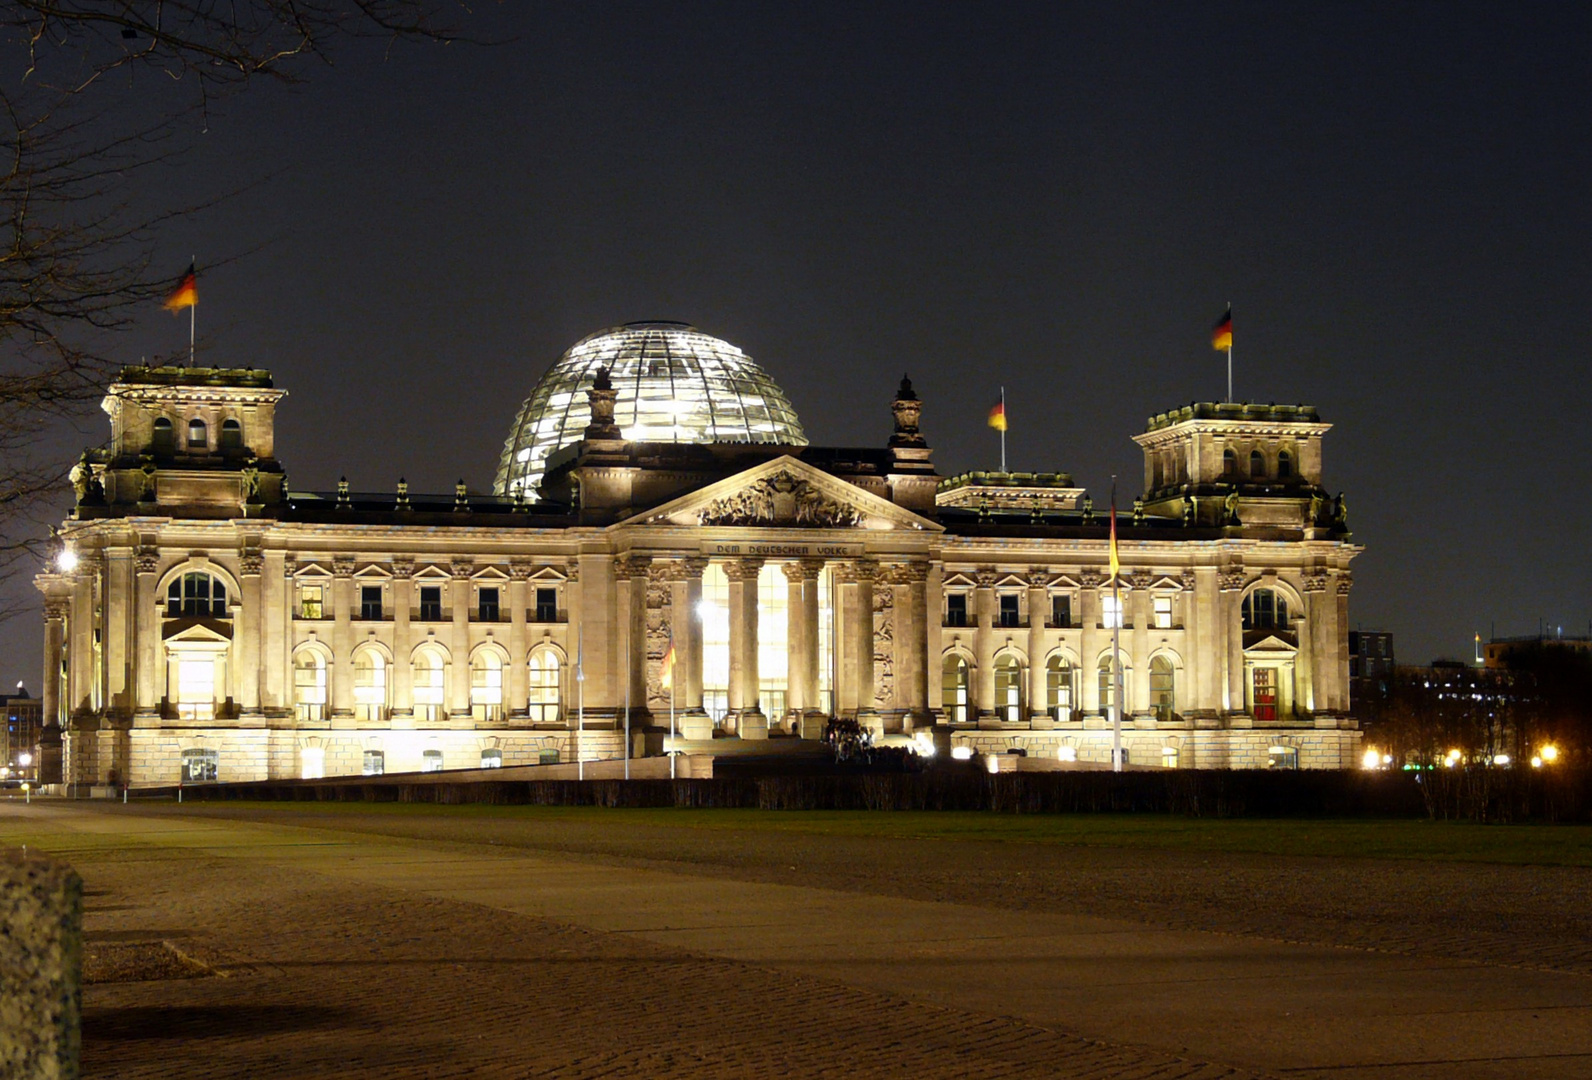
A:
(1113, 559)
(666, 667)
(997, 415)
(1222, 332)
(185, 294)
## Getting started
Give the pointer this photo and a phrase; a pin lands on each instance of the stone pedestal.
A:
(752, 724)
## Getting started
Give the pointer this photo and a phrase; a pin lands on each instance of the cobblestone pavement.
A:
(500, 949)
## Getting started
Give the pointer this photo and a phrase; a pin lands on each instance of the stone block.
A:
(41, 964)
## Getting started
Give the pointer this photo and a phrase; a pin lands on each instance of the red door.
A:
(1265, 693)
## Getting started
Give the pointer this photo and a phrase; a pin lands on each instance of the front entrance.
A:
(1265, 693)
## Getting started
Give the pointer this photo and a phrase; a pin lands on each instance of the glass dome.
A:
(675, 384)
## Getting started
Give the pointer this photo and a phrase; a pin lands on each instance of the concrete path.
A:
(1165, 1002)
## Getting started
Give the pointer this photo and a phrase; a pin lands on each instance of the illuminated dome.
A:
(675, 384)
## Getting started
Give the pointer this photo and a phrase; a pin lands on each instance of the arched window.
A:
(430, 685)
(164, 442)
(1229, 463)
(231, 435)
(1257, 465)
(486, 685)
(1108, 687)
(544, 687)
(196, 595)
(1058, 687)
(1284, 465)
(309, 685)
(370, 686)
(1265, 609)
(491, 759)
(1009, 689)
(953, 689)
(1162, 688)
(198, 435)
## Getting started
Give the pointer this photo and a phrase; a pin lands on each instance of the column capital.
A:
(1187, 580)
(572, 571)
(343, 567)
(1091, 579)
(403, 569)
(147, 558)
(742, 569)
(1315, 581)
(1138, 579)
(250, 563)
(1231, 579)
(1345, 582)
(520, 569)
(913, 573)
(632, 566)
(461, 569)
(802, 570)
(986, 577)
(1039, 579)
(55, 610)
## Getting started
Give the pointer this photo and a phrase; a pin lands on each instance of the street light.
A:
(1550, 753)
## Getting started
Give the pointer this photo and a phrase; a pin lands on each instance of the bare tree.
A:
(89, 90)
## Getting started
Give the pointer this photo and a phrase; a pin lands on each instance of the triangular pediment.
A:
(1170, 584)
(547, 574)
(1273, 645)
(432, 573)
(784, 493)
(373, 572)
(308, 570)
(489, 573)
(198, 635)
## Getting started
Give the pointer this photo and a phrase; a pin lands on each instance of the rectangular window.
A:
(196, 689)
(1110, 611)
(487, 605)
(311, 601)
(956, 609)
(375, 763)
(1061, 611)
(431, 761)
(199, 766)
(431, 603)
(370, 602)
(1163, 613)
(546, 605)
(1010, 613)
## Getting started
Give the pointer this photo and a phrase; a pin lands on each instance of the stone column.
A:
(866, 571)
(743, 705)
(1232, 584)
(54, 637)
(685, 624)
(933, 635)
(250, 564)
(80, 642)
(459, 643)
(403, 672)
(275, 618)
(1338, 645)
(148, 659)
(1142, 608)
(634, 622)
(517, 705)
(844, 623)
(799, 690)
(118, 622)
(1093, 641)
(804, 664)
(984, 645)
(341, 671)
(914, 636)
(1038, 595)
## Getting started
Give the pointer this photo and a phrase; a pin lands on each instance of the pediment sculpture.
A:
(780, 499)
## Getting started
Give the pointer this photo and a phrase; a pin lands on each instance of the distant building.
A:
(1370, 671)
(1497, 652)
(24, 718)
(657, 497)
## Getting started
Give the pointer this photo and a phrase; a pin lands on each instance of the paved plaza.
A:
(430, 942)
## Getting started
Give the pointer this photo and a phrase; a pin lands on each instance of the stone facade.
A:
(205, 622)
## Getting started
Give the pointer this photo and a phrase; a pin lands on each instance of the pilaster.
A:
(743, 704)
(984, 645)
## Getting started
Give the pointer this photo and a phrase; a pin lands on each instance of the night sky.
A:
(1055, 198)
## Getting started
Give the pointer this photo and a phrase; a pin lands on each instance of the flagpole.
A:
(193, 316)
(629, 679)
(1229, 352)
(1003, 429)
(672, 736)
(1116, 649)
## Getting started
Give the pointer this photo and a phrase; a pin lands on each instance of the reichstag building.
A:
(657, 492)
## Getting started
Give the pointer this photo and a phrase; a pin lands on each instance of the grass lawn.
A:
(1541, 845)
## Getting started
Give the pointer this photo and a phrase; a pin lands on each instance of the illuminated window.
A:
(1265, 609)
(773, 651)
(196, 688)
(312, 600)
(309, 685)
(953, 689)
(430, 678)
(544, 687)
(196, 595)
(1058, 687)
(1108, 686)
(431, 761)
(1009, 689)
(1282, 757)
(486, 685)
(312, 762)
(1110, 611)
(200, 766)
(1162, 688)
(370, 686)
(374, 763)
(1163, 613)
(826, 641)
(491, 759)
(1263, 682)
(198, 435)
